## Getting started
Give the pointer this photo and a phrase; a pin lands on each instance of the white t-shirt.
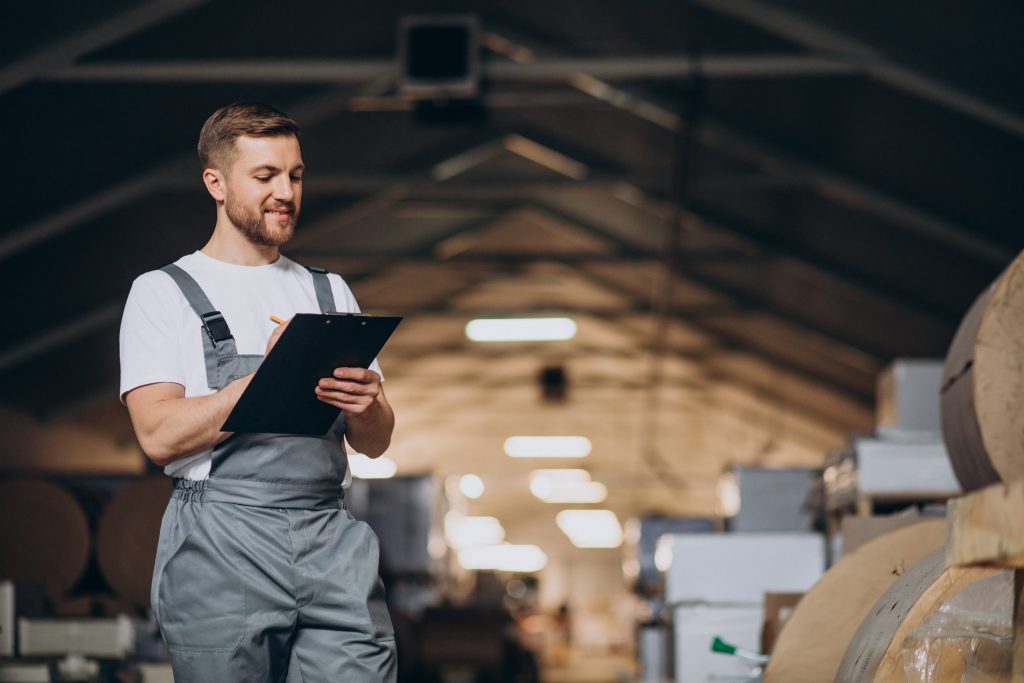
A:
(160, 333)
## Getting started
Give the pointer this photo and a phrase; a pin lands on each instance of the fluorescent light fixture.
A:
(504, 557)
(579, 492)
(463, 531)
(471, 486)
(562, 474)
(566, 486)
(520, 329)
(728, 490)
(543, 482)
(371, 468)
(547, 446)
(590, 528)
(663, 553)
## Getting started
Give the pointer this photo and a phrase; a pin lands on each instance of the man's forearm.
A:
(370, 432)
(175, 428)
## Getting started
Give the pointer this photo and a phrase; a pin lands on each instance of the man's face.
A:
(264, 188)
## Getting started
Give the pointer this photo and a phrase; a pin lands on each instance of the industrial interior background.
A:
(749, 208)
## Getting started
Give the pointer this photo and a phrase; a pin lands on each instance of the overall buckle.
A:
(216, 326)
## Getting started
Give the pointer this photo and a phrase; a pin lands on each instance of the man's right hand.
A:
(276, 335)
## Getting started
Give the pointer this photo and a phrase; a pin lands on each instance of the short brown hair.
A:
(217, 138)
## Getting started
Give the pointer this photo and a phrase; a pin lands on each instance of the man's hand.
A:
(369, 419)
(275, 335)
(354, 390)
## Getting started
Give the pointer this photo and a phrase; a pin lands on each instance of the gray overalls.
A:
(261, 573)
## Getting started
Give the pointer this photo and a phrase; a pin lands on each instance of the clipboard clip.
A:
(216, 326)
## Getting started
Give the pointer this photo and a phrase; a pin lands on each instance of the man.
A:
(261, 574)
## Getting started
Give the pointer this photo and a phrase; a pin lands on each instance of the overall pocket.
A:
(366, 578)
(201, 591)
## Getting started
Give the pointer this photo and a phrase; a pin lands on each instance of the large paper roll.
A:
(44, 535)
(815, 637)
(982, 395)
(127, 535)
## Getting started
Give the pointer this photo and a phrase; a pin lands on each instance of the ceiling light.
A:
(663, 553)
(547, 446)
(544, 481)
(728, 490)
(504, 557)
(471, 486)
(561, 474)
(566, 486)
(371, 468)
(575, 492)
(520, 329)
(591, 528)
(463, 531)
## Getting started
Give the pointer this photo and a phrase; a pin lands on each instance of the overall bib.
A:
(261, 573)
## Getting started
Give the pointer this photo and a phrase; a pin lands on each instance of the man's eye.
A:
(263, 178)
(297, 178)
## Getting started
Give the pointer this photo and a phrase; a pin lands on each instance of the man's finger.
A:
(346, 395)
(357, 374)
(348, 406)
(275, 335)
(346, 387)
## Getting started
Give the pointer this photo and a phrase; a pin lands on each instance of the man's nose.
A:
(283, 190)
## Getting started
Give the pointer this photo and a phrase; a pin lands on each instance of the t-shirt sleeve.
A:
(150, 334)
(346, 302)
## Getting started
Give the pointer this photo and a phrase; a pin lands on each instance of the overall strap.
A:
(322, 286)
(219, 350)
(213, 322)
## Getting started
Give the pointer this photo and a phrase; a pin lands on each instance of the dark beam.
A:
(64, 53)
(814, 36)
(742, 298)
(550, 70)
(713, 220)
(739, 298)
(832, 185)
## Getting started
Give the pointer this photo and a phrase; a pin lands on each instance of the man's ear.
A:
(215, 184)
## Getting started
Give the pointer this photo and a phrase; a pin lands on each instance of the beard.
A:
(253, 223)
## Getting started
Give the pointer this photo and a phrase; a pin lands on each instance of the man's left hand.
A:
(354, 390)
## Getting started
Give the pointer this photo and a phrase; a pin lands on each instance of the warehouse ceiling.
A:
(749, 208)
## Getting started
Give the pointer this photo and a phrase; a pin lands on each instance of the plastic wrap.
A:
(968, 639)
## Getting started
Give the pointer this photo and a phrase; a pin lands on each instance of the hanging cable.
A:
(690, 107)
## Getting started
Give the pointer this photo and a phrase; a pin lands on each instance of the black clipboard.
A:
(280, 399)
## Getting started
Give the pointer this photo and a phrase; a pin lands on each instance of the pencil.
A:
(277, 320)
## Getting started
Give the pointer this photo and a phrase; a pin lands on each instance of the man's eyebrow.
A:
(274, 169)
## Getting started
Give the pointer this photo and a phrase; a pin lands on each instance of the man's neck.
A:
(229, 244)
